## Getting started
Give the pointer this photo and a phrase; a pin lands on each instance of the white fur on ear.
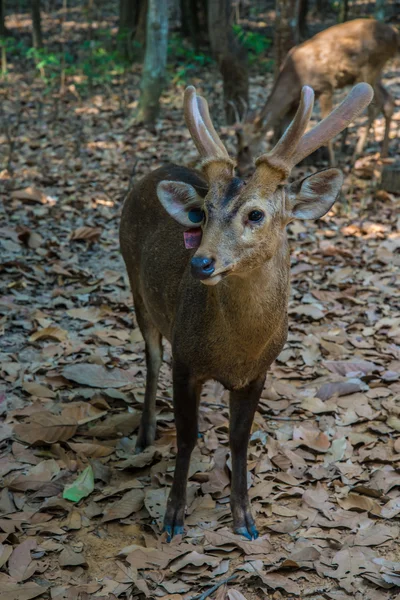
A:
(178, 198)
(316, 195)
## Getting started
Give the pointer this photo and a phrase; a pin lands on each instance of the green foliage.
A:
(14, 48)
(47, 63)
(255, 43)
(100, 64)
(184, 59)
(95, 62)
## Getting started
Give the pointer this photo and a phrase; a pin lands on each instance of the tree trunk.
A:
(155, 60)
(190, 21)
(286, 30)
(128, 11)
(36, 24)
(322, 8)
(302, 29)
(132, 25)
(175, 14)
(380, 6)
(3, 30)
(391, 178)
(343, 11)
(230, 56)
(140, 34)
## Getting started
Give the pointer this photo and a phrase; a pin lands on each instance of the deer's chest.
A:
(233, 350)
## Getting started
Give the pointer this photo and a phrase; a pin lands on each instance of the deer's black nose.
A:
(202, 267)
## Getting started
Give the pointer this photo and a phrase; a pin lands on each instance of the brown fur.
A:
(230, 332)
(183, 309)
(338, 56)
(232, 324)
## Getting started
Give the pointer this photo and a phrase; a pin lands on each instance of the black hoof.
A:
(173, 530)
(250, 532)
(145, 438)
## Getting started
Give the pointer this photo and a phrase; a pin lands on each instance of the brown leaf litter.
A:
(324, 453)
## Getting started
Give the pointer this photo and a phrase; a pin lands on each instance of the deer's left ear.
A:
(182, 202)
(315, 195)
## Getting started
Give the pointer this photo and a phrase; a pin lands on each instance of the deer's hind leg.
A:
(326, 104)
(388, 110)
(153, 349)
(382, 102)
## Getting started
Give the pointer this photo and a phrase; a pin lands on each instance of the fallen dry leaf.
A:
(193, 558)
(25, 591)
(20, 564)
(37, 389)
(131, 502)
(69, 558)
(98, 376)
(5, 553)
(52, 332)
(224, 537)
(91, 234)
(46, 427)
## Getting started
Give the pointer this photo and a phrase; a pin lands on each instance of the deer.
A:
(207, 259)
(339, 56)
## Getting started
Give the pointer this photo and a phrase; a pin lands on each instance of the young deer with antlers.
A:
(224, 306)
(339, 56)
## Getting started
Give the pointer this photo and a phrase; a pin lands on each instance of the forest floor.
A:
(325, 449)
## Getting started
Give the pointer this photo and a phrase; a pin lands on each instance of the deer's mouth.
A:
(216, 277)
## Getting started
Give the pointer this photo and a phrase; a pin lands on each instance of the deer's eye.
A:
(196, 215)
(256, 216)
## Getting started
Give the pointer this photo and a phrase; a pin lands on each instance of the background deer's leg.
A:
(186, 400)
(153, 341)
(373, 111)
(388, 110)
(243, 404)
(344, 140)
(326, 104)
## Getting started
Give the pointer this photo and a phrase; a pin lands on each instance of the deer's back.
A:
(152, 245)
(344, 54)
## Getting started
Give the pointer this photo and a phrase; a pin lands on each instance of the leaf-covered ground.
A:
(80, 513)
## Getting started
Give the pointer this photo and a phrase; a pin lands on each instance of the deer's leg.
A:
(243, 404)
(153, 341)
(326, 104)
(362, 140)
(186, 399)
(344, 140)
(373, 110)
(388, 110)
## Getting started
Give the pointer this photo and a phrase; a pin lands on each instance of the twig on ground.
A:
(213, 589)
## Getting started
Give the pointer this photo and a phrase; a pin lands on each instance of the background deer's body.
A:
(223, 307)
(341, 55)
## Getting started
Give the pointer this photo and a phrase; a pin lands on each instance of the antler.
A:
(198, 121)
(294, 145)
(205, 114)
(340, 118)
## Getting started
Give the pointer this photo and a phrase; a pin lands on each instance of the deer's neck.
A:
(252, 308)
(284, 93)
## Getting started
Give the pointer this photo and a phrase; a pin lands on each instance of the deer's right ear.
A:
(313, 197)
(182, 202)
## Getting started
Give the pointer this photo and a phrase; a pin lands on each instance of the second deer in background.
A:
(339, 56)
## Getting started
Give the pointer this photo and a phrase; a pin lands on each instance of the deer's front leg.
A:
(186, 399)
(243, 404)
